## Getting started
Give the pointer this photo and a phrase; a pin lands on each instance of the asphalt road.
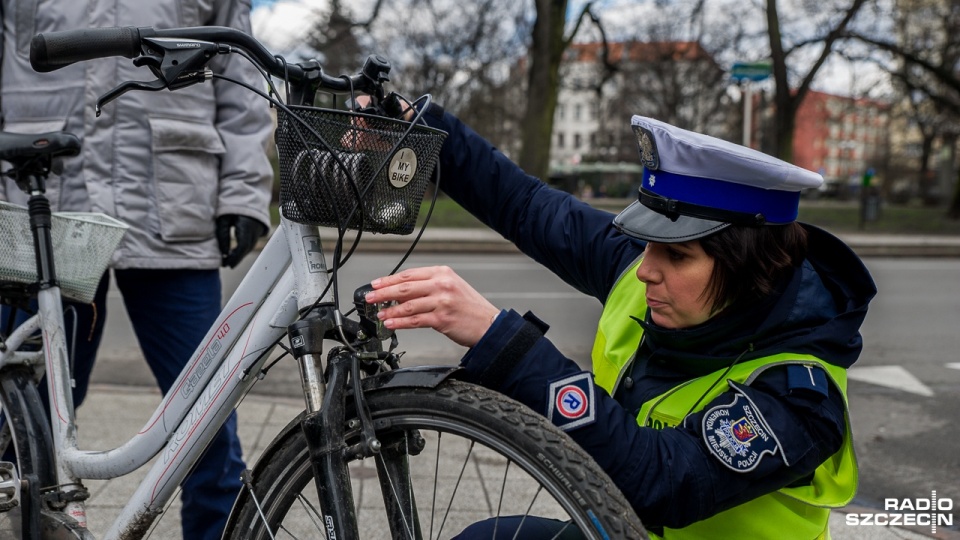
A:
(904, 392)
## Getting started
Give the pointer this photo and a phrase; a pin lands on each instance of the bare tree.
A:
(337, 37)
(463, 54)
(926, 48)
(832, 22)
(547, 45)
(670, 68)
(467, 54)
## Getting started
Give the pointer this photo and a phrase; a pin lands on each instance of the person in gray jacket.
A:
(186, 170)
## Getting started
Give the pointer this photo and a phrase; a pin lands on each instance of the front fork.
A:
(325, 428)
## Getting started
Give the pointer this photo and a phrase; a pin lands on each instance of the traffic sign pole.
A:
(748, 73)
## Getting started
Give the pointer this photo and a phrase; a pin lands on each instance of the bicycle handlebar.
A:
(54, 50)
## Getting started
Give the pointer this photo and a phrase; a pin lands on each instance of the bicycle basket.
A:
(83, 244)
(330, 159)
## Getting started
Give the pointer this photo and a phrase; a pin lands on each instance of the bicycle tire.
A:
(511, 435)
(26, 431)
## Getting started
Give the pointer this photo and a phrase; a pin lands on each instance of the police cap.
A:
(695, 185)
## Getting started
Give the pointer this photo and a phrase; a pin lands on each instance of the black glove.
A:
(246, 231)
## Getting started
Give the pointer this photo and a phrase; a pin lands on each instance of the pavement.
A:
(112, 413)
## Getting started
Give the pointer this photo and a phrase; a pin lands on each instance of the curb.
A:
(433, 241)
(488, 241)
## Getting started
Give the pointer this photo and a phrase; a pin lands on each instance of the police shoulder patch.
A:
(737, 434)
(570, 402)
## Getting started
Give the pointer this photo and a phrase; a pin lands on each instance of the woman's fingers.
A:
(403, 286)
(416, 313)
(434, 297)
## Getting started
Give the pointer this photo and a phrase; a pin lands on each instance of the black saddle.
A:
(22, 148)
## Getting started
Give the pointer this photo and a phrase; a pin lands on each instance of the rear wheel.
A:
(461, 456)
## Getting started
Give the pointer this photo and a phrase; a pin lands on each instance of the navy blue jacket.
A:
(668, 475)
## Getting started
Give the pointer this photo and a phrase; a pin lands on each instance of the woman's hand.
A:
(362, 137)
(434, 297)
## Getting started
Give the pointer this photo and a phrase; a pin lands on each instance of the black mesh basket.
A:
(343, 157)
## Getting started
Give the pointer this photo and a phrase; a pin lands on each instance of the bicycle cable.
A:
(337, 260)
(300, 123)
(342, 224)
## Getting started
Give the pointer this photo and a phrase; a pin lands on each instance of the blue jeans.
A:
(171, 311)
(528, 528)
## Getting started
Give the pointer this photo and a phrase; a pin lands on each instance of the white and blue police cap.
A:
(695, 185)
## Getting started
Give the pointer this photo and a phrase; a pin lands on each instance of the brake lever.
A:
(175, 62)
(125, 87)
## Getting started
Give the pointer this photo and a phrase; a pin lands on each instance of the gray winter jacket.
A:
(166, 163)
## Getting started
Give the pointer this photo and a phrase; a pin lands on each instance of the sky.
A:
(279, 23)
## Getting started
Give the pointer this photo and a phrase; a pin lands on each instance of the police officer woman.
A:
(717, 398)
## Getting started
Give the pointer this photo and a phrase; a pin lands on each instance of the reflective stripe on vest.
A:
(797, 512)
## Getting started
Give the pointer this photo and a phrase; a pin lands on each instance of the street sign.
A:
(750, 71)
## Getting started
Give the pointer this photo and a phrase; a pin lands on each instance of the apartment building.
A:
(843, 139)
(674, 81)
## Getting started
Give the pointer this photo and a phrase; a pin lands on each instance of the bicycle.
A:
(355, 169)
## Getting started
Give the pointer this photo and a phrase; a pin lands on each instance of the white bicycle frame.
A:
(289, 275)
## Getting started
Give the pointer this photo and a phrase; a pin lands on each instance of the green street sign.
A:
(750, 71)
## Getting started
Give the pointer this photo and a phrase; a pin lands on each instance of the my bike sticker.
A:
(403, 165)
(571, 402)
(737, 434)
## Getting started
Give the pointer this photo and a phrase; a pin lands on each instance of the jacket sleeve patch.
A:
(737, 434)
(571, 402)
(808, 378)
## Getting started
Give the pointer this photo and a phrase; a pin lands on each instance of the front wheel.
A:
(456, 459)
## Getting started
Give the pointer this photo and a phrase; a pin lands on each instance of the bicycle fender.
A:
(412, 377)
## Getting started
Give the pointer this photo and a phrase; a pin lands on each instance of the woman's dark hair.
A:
(749, 261)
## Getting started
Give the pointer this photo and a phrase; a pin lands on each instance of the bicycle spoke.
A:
(560, 532)
(290, 534)
(249, 485)
(527, 513)
(436, 479)
(456, 487)
(503, 489)
(407, 524)
(312, 512)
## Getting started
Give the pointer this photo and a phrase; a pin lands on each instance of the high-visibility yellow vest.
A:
(790, 513)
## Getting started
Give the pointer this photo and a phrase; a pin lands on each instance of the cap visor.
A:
(641, 222)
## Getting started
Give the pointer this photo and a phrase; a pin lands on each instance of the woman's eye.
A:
(675, 255)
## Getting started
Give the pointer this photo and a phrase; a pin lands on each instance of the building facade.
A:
(674, 81)
(842, 138)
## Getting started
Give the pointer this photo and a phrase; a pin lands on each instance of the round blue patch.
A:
(572, 402)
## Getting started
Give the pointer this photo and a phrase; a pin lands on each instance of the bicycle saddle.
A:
(20, 148)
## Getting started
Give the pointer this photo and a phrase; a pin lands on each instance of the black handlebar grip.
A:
(54, 50)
